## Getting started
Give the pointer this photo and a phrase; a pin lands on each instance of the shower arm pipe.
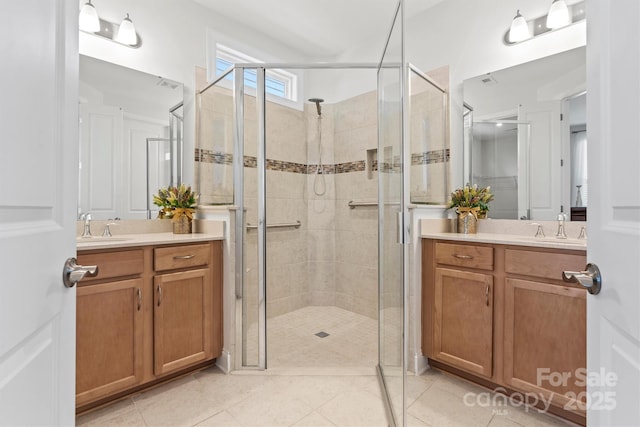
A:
(299, 66)
(296, 224)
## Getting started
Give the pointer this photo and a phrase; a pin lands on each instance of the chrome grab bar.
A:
(296, 224)
(354, 205)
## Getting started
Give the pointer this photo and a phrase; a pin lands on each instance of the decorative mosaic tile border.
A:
(220, 158)
(430, 157)
(210, 156)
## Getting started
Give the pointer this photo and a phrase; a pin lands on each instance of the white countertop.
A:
(511, 239)
(130, 240)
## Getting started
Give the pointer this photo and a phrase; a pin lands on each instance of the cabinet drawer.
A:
(465, 255)
(113, 264)
(546, 265)
(171, 258)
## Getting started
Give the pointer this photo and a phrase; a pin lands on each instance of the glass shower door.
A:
(250, 223)
(392, 224)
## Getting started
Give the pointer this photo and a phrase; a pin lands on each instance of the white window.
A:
(278, 83)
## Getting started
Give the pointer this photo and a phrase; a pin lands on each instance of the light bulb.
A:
(127, 32)
(89, 20)
(519, 29)
(558, 15)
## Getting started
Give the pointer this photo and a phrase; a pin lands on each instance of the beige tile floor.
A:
(297, 392)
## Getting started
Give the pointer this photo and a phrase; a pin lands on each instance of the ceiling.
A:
(155, 95)
(550, 78)
(318, 28)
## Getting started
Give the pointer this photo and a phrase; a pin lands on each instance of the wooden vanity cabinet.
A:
(151, 313)
(501, 315)
(109, 325)
(183, 307)
(109, 354)
(462, 307)
(545, 327)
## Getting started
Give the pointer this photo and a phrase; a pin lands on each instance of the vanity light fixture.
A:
(125, 34)
(519, 29)
(89, 20)
(558, 15)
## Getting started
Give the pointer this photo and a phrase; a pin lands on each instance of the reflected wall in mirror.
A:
(428, 136)
(525, 133)
(130, 139)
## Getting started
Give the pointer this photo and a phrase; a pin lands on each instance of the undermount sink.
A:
(576, 242)
(100, 239)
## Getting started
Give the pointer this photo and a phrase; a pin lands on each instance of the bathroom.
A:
(331, 258)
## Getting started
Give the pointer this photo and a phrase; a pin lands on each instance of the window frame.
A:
(290, 81)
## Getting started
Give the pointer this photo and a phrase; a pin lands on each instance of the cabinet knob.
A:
(589, 278)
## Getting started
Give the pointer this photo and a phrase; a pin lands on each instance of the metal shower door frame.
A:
(240, 227)
(240, 222)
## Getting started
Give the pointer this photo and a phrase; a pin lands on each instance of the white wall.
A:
(467, 36)
(174, 41)
(463, 34)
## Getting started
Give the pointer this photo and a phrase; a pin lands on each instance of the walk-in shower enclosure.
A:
(345, 247)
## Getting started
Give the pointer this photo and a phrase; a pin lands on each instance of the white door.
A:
(101, 161)
(38, 174)
(133, 192)
(541, 159)
(613, 113)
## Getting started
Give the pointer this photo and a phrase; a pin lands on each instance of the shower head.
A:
(317, 101)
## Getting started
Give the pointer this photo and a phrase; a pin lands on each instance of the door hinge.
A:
(561, 117)
(561, 162)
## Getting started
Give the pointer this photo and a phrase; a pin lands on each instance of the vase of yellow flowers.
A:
(471, 203)
(177, 203)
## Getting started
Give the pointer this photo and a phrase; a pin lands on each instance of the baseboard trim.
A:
(223, 362)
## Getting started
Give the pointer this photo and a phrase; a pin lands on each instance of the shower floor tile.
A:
(351, 341)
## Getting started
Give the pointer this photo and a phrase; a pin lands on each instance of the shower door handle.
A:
(403, 232)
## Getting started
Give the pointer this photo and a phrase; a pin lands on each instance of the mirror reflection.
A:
(525, 136)
(130, 139)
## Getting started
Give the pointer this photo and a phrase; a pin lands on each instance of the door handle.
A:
(72, 273)
(589, 278)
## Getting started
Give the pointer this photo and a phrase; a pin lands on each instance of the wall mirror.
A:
(130, 139)
(525, 136)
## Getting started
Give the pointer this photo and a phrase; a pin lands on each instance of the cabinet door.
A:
(463, 320)
(545, 341)
(109, 339)
(182, 320)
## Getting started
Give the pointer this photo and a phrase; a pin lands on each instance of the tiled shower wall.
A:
(332, 258)
(356, 230)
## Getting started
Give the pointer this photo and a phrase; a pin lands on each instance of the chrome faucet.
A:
(561, 219)
(86, 217)
(583, 233)
(539, 230)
